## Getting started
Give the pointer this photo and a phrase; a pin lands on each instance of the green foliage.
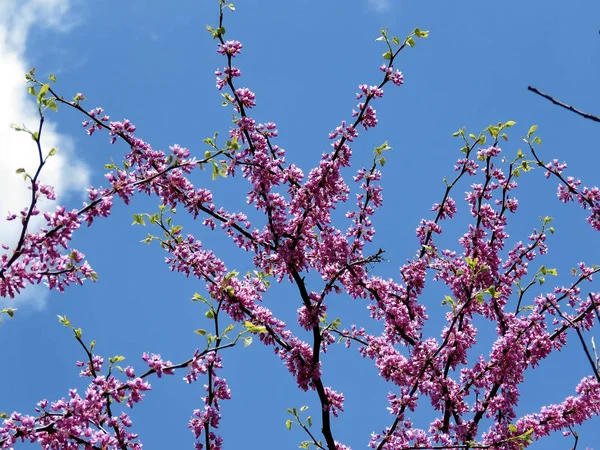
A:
(251, 328)
(304, 424)
(394, 43)
(10, 312)
(116, 359)
(216, 32)
(378, 153)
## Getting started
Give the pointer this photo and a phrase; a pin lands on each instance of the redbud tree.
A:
(488, 276)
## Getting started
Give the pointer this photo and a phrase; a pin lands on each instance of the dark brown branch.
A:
(579, 334)
(564, 105)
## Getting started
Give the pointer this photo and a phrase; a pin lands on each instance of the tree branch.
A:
(564, 105)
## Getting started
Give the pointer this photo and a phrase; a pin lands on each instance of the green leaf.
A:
(230, 275)
(480, 298)
(138, 220)
(421, 33)
(210, 314)
(64, 321)
(200, 331)
(9, 311)
(512, 428)
(254, 328)
(448, 300)
(532, 130)
(52, 78)
(509, 124)
(148, 239)
(20, 170)
(387, 55)
(537, 140)
(410, 41)
(198, 298)
(247, 341)
(288, 424)
(383, 147)
(303, 408)
(309, 421)
(493, 130)
(43, 90)
(395, 40)
(492, 292)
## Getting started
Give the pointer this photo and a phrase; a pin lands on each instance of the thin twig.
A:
(564, 105)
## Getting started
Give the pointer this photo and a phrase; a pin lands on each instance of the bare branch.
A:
(564, 105)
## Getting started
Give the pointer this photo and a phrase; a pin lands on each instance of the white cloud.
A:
(63, 171)
(380, 5)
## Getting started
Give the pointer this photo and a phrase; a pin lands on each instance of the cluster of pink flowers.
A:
(208, 418)
(569, 190)
(298, 236)
(76, 420)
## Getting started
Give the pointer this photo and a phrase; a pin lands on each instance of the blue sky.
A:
(154, 63)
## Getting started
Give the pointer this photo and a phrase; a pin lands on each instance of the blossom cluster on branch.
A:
(475, 398)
